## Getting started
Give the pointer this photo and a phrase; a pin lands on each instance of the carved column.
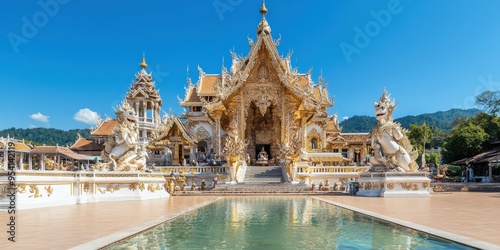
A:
(284, 119)
(42, 162)
(5, 162)
(21, 161)
(30, 161)
(241, 117)
(303, 128)
(216, 136)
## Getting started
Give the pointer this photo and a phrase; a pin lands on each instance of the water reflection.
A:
(279, 223)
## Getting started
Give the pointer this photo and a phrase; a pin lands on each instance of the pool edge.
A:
(429, 230)
(110, 239)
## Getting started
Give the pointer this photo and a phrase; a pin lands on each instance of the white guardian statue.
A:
(122, 152)
(392, 149)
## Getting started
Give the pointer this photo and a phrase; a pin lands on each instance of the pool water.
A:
(280, 223)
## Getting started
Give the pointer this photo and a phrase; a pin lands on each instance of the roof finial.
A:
(263, 9)
(143, 64)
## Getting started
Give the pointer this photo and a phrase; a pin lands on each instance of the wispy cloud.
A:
(40, 117)
(32, 126)
(86, 116)
(345, 118)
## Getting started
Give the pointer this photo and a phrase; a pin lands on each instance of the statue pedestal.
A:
(394, 184)
(262, 163)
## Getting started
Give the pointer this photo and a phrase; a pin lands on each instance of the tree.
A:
(432, 158)
(489, 101)
(416, 136)
(463, 141)
(490, 124)
(437, 138)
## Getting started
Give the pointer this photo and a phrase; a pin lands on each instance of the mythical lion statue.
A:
(392, 149)
(122, 153)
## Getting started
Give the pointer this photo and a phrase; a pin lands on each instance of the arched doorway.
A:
(202, 151)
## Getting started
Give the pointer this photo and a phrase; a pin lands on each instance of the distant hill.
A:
(47, 136)
(441, 119)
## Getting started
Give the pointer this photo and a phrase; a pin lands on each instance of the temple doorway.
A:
(263, 131)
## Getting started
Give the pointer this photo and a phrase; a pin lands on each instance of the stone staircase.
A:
(263, 175)
(259, 181)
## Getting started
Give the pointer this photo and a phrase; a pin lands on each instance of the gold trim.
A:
(49, 190)
(21, 188)
(35, 191)
(86, 186)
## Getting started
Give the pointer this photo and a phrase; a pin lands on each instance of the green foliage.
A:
(465, 140)
(432, 158)
(416, 136)
(47, 136)
(454, 171)
(490, 124)
(437, 138)
(443, 120)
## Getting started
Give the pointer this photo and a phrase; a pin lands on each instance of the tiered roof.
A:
(144, 86)
(222, 86)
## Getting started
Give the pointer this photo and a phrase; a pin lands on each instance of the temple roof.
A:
(192, 98)
(360, 137)
(144, 86)
(491, 156)
(19, 145)
(206, 86)
(170, 122)
(264, 49)
(104, 128)
(58, 150)
(83, 144)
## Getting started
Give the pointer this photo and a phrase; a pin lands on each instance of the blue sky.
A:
(62, 56)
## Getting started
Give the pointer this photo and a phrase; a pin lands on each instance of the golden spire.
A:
(143, 64)
(263, 9)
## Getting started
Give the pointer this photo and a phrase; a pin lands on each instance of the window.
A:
(314, 143)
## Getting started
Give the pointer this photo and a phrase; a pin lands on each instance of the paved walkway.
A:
(472, 216)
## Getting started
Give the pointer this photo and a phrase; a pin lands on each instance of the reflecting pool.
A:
(280, 223)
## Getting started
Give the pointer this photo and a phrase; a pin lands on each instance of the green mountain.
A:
(441, 119)
(47, 136)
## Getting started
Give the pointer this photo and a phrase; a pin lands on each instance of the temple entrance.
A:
(202, 151)
(263, 132)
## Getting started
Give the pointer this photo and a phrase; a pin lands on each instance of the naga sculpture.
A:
(235, 149)
(392, 149)
(122, 153)
(290, 153)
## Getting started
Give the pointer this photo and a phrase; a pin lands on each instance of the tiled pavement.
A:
(472, 216)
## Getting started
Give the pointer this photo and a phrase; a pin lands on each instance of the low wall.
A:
(54, 188)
